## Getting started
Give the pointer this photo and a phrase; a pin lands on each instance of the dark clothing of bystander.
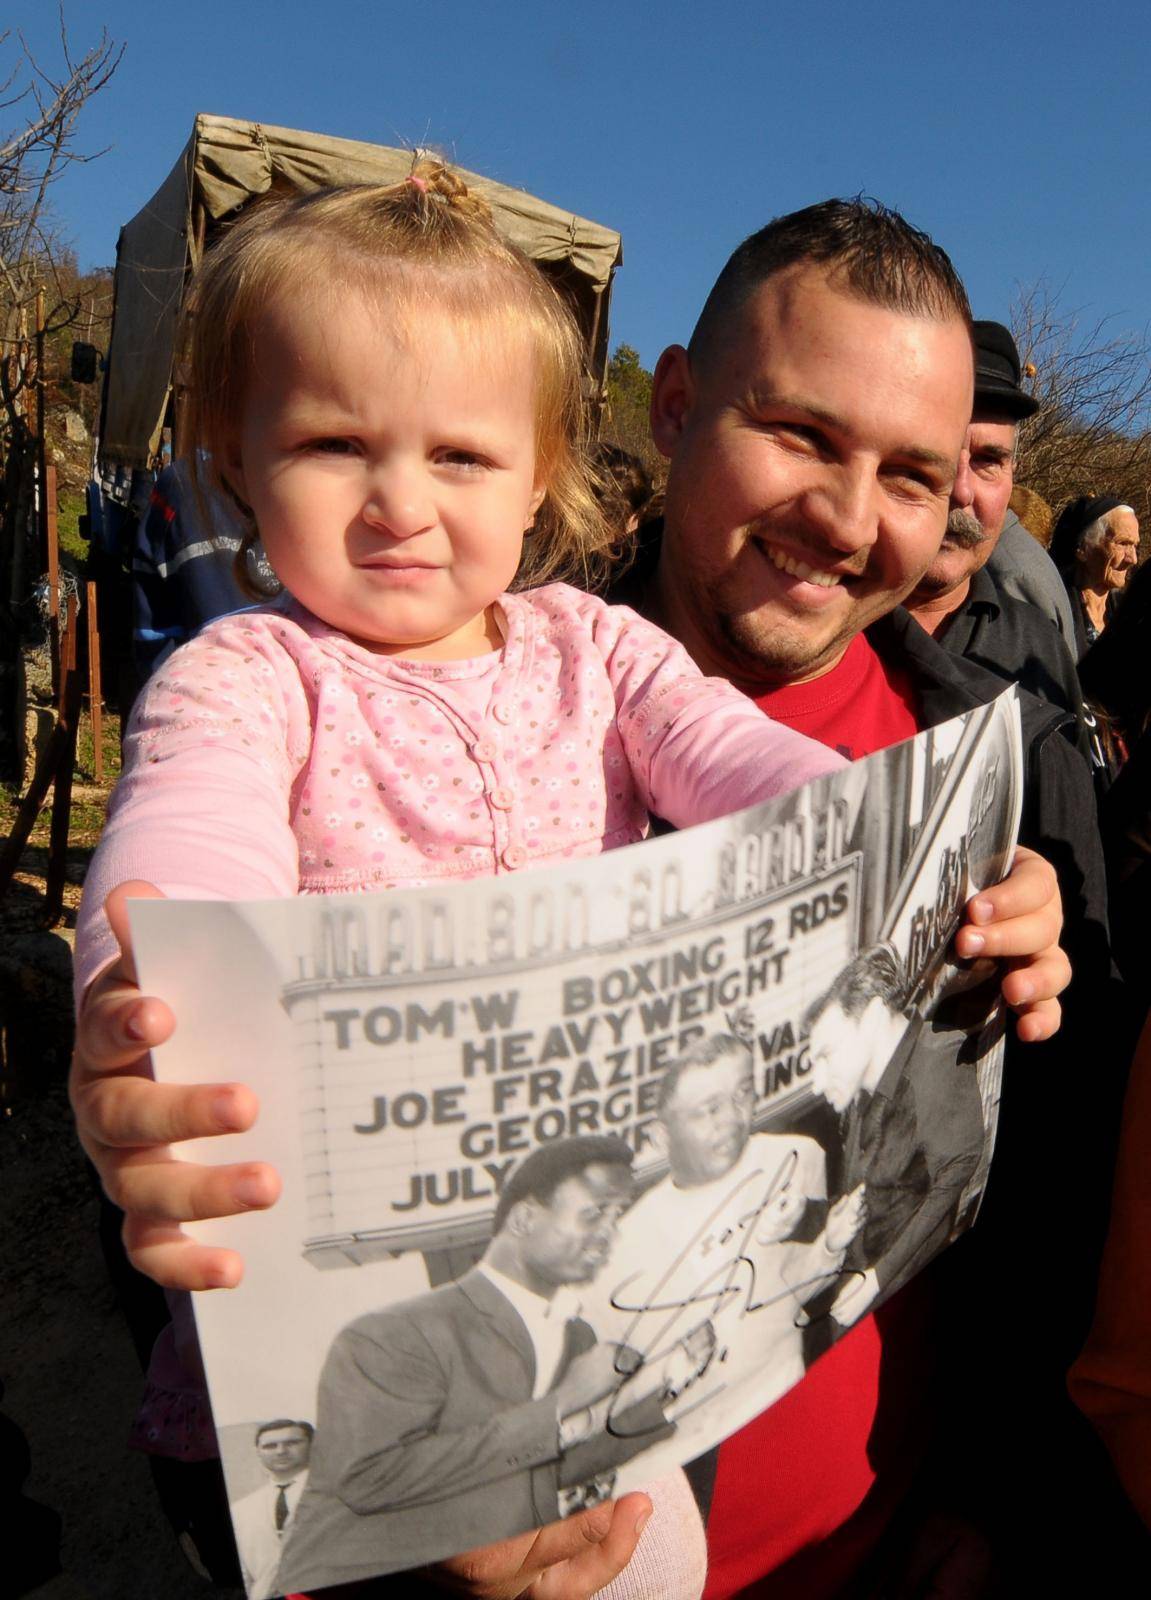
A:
(1014, 641)
(1023, 570)
(1125, 818)
(184, 568)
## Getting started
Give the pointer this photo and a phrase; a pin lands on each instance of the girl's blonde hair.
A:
(425, 242)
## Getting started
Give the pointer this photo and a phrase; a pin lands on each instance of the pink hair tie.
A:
(420, 183)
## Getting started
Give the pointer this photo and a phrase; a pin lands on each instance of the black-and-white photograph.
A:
(584, 1169)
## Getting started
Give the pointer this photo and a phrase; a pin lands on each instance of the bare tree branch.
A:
(41, 105)
(1093, 380)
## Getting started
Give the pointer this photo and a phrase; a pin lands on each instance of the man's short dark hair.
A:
(870, 250)
(285, 1422)
(539, 1175)
(703, 1053)
(875, 973)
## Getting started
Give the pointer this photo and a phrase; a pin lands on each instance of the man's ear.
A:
(520, 1218)
(672, 396)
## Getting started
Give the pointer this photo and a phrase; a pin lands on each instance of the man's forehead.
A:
(833, 1015)
(800, 334)
(700, 1082)
(282, 1436)
(992, 432)
(804, 294)
(603, 1180)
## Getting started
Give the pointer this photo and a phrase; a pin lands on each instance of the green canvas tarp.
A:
(227, 164)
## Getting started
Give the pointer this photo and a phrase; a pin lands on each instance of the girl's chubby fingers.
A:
(118, 1026)
(120, 1111)
(151, 1184)
(127, 1122)
(173, 1260)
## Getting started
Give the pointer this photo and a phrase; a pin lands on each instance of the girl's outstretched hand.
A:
(1018, 922)
(126, 1122)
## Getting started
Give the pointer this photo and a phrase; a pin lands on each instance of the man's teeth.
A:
(800, 569)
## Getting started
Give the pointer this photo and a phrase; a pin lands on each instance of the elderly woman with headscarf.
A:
(1095, 545)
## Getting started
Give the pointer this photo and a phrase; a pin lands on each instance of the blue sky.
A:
(1019, 137)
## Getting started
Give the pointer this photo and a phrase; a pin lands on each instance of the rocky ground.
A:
(79, 1514)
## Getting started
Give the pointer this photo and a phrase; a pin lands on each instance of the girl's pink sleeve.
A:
(698, 748)
(202, 809)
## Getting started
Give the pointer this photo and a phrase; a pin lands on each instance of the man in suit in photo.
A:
(458, 1417)
(261, 1520)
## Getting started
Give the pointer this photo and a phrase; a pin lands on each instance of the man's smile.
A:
(805, 578)
(795, 568)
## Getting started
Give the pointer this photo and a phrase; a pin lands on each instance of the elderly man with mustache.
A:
(961, 598)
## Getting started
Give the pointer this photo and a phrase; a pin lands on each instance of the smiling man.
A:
(812, 460)
(815, 428)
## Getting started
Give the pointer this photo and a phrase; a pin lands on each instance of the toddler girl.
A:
(393, 393)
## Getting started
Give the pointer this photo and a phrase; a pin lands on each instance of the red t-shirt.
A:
(803, 1493)
(863, 704)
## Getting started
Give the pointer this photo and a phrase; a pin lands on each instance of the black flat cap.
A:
(997, 372)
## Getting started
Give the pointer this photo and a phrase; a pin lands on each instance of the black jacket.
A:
(1064, 1095)
(1013, 640)
(1059, 817)
(1125, 814)
(1014, 1297)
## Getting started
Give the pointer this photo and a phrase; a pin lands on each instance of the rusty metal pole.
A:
(41, 447)
(51, 548)
(46, 505)
(71, 694)
(95, 693)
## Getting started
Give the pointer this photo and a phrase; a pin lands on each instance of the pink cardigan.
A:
(272, 756)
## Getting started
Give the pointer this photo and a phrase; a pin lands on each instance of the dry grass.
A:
(89, 803)
(36, 960)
